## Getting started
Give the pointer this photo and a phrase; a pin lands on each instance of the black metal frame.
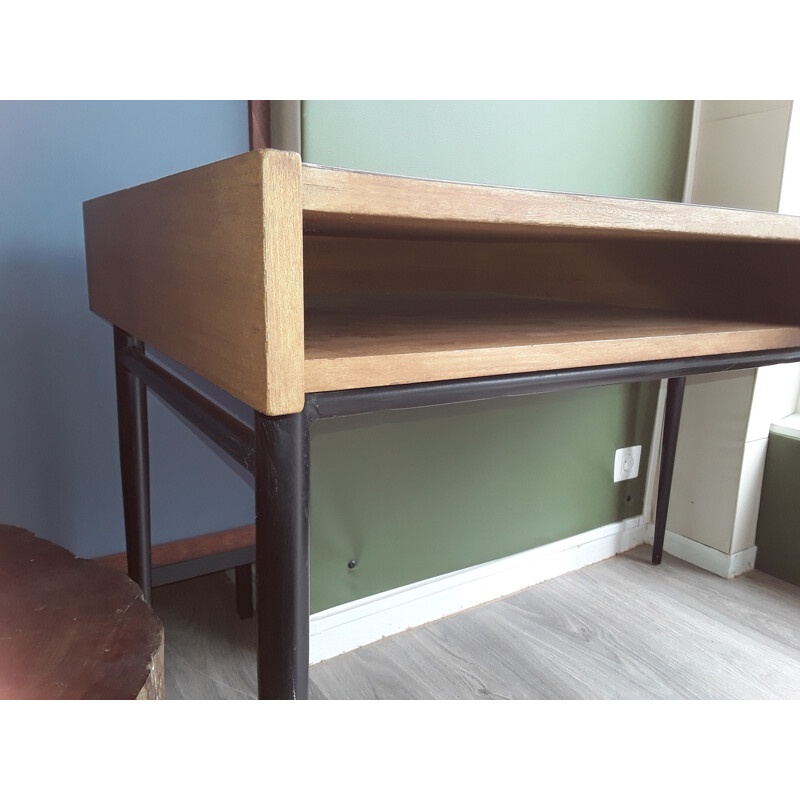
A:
(276, 452)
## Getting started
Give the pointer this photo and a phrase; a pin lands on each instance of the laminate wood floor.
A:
(619, 629)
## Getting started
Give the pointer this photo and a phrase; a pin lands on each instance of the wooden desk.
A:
(306, 292)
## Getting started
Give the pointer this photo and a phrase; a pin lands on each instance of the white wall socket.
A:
(626, 463)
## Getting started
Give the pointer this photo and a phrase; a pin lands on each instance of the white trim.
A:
(726, 565)
(789, 202)
(648, 510)
(788, 426)
(691, 162)
(346, 627)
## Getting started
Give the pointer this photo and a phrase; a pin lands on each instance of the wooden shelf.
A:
(359, 340)
(272, 278)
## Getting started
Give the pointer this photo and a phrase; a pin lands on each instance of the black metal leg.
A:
(134, 456)
(669, 444)
(244, 590)
(282, 577)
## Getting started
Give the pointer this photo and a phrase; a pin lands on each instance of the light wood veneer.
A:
(272, 278)
(355, 341)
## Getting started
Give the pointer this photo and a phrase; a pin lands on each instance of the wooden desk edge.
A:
(206, 267)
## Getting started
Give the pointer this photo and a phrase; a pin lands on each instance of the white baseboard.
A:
(726, 565)
(352, 625)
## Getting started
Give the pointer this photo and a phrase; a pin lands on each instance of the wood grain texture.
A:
(154, 687)
(283, 282)
(190, 548)
(210, 652)
(206, 266)
(696, 281)
(619, 629)
(71, 628)
(258, 118)
(337, 200)
(354, 341)
(751, 280)
(218, 268)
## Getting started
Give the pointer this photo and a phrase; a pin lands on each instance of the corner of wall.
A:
(738, 157)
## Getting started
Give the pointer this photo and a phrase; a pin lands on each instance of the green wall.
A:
(777, 536)
(623, 148)
(414, 494)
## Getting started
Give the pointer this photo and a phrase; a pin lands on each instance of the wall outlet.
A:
(626, 463)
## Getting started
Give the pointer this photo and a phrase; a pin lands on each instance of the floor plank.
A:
(620, 629)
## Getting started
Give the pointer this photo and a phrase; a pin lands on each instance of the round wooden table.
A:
(71, 628)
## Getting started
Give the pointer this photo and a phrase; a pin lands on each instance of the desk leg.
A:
(134, 454)
(669, 444)
(282, 576)
(244, 591)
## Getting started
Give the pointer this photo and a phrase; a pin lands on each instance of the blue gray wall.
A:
(410, 495)
(59, 473)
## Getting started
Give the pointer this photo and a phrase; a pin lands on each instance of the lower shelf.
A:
(358, 340)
